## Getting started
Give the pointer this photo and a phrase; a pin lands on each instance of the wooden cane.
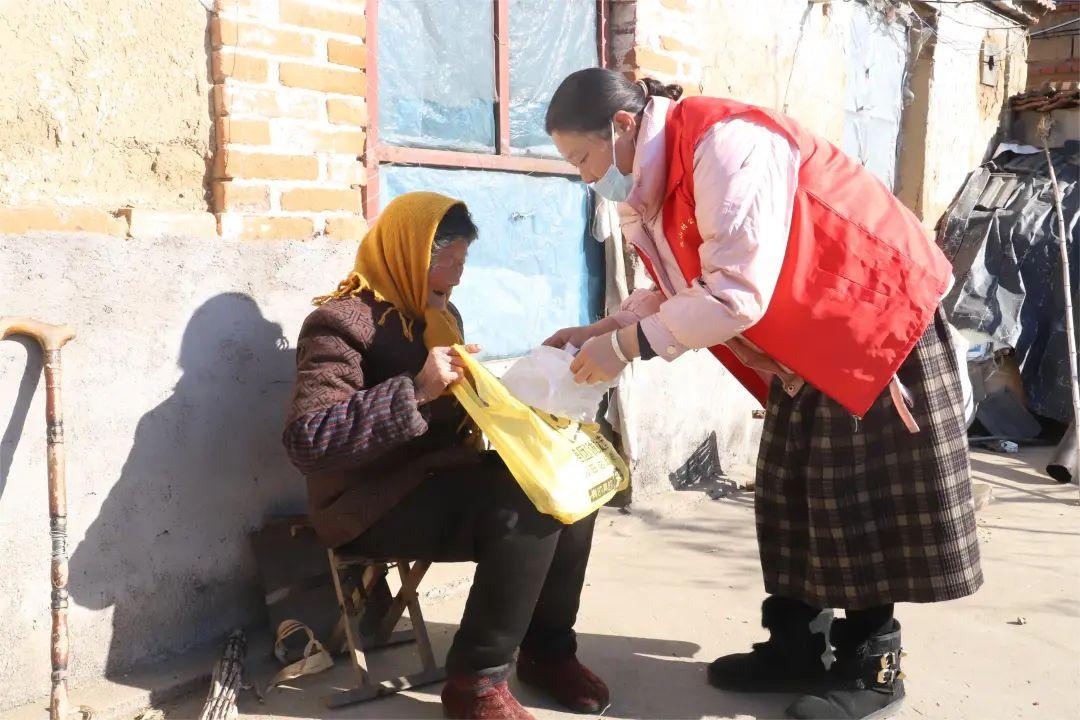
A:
(52, 338)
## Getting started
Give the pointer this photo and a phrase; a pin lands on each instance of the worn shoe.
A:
(481, 697)
(789, 661)
(569, 682)
(865, 682)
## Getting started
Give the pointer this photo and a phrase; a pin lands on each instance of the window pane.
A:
(548, 41)
(532, 270)
(437, 74)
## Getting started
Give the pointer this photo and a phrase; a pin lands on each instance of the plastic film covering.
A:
(1001, 236)
(548, 41)
(532, 270)
(877, 69)
(437, 74)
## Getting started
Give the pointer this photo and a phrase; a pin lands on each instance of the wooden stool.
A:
(355, 579)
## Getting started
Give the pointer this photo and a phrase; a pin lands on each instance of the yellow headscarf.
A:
(393, 262)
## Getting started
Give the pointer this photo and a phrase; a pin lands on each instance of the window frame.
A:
(377, 153)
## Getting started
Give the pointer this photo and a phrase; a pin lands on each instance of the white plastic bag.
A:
(542, 380)
(961, 346)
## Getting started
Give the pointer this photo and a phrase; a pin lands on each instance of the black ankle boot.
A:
(865, 681)
(789, 661)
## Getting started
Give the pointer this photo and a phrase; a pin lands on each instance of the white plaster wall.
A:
(174, 391)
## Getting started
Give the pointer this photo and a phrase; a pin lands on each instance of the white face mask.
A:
(614, 185)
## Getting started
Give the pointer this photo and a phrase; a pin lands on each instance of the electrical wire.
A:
(1047, 31)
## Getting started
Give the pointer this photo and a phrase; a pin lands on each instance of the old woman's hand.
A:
(443, 368)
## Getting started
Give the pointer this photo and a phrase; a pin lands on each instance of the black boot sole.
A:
(882, 714)
(803, 687)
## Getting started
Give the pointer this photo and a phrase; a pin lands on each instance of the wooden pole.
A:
(1063, 245)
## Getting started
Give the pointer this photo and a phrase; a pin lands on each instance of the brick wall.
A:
(660, 39)
(1055, 57)
(290, 117)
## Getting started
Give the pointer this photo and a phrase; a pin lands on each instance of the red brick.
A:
(243, 132)
(674, 45)
(296, 12)
(346, 228)
(301, 138)
(345, 171)
(253, 36)
(342, 111)
(226, 64)
(253, 7)
(269, 227)
(1054, 67)
(58, 218)
(651, 61)
(320, 200)
(311, 77)
(238, 100)
(343, 53)
(230, 196)
(237, 164)
(152, 224)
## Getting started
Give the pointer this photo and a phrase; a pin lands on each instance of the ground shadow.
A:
(169, 551)
(649, 678)
(1016, 478)
(31, 377)
(702, 472)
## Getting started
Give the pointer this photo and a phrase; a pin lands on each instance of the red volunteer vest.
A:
(860, 281)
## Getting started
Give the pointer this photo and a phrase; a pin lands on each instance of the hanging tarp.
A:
(1001, 235)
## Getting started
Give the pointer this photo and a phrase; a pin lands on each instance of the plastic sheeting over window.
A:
(532, 270)
(437, 74)
(877, 69)
(548, 41)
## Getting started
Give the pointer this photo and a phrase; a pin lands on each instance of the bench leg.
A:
(410, 581)
(406, 599)
(351, 608)
(373, 691)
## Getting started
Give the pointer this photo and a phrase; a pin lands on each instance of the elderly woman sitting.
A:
(394, 468)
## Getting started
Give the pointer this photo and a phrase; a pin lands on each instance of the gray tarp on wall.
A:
(1001, 235)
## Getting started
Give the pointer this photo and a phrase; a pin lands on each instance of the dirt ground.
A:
(676, 582)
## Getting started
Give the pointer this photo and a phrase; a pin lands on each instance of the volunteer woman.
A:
(390, 473)
(791, 262)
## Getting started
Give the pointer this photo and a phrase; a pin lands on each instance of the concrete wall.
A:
(104, 103)
(174, 393)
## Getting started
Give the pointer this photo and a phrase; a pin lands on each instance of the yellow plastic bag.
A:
(567, 469)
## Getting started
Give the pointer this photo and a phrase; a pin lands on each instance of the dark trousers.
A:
(530, 568)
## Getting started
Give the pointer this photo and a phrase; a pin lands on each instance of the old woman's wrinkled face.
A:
(447, 265)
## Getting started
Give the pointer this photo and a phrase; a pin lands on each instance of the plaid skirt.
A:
(857, 513)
